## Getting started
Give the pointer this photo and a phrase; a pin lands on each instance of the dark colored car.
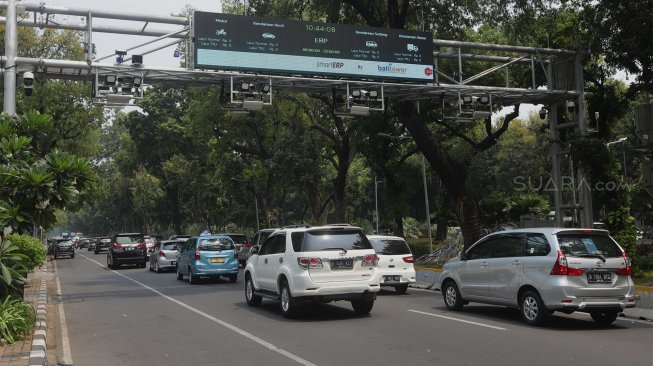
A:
(127, 248)
(102, 244)
(63, 247)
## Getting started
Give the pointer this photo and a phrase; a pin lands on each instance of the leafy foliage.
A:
(31, 248)
(17, 318)
(12, 268)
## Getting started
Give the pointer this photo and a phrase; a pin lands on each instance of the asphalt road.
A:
(132, 316)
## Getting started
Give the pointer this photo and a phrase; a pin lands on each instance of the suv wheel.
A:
(604, 317)
(251, 298)
(142, 264)
(532, 308)
(401, 289)
(180, 276)
(362, 306)
(288, 305)
(452, 298)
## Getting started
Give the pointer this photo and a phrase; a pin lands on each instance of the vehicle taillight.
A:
(197, 254)
(248, 245)
(408, 259)
(628, 270)
(312, 263)
(162, 254)
(116, 246)
(370, 260)
(141, 245)
(562, 269)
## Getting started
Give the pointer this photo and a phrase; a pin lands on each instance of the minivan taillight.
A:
(628, 270)
(408, 259)
(141, 245)
(197, 254)
(562, 269)
(116, 246)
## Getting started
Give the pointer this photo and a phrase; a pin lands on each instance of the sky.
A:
(107, 43)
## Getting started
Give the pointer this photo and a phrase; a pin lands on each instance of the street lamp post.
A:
(426, 192)
(623, 139)
(255, 200)
(376, 203)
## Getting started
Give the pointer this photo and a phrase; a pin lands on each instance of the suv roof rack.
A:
(339, 224)
(295, 226)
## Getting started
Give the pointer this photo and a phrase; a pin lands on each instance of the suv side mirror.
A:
(463, 256)
(254, 250)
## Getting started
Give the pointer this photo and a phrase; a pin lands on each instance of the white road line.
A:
(458, 320)
(67, 358)
(232, 327)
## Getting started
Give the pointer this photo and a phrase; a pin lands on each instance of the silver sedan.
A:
(164, 255)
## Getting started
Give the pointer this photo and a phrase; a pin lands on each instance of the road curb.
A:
(37, 355)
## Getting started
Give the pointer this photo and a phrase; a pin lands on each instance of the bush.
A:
(12, 268)
(16, 319)
(31, 248)
(643, 263)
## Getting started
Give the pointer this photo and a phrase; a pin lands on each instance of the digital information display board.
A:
(236, 42)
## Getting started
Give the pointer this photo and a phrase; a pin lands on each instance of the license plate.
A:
(173, 263)
(342, 263)
(217, 260)
(391, 278)
(599, 277)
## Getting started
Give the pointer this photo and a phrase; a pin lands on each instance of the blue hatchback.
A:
(207, 256)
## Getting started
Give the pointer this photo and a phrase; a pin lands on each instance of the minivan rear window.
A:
(215, 244)
(169, 246)
(587, 244)
(129, 239)
(390, 246)
(320, 240)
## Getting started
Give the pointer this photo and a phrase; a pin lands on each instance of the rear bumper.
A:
(562, 295)
(303, 286)
(164, 263)
(208, 272)
(398, 277)
(367, 296)
(125, 259)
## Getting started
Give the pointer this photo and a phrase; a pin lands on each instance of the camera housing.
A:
(28, 82)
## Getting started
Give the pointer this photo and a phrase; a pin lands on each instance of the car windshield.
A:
(129, 239)
(588, 244)
(169, 246)
(390, 246)
(215, 244)
(334, 240)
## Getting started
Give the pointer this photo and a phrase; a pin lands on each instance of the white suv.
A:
(317, 264)
(543, 270)
(395, 261)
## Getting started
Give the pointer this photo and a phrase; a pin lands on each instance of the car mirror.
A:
(254, 250)
(463, 256)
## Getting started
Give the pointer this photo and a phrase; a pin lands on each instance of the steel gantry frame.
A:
(563, 84)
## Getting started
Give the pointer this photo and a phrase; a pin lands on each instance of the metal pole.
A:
(624, 152)
(11, 45)
(587, 214)
(426, 203)
(376, 204)
(89, 39)
(555, 157)
(256, 203)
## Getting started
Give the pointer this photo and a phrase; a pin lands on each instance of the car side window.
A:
(536, 245)
(279, 244)
(480, 251)
(266, 247)
(507, 245)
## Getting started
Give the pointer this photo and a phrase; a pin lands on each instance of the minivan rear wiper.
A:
(337, 248)
(600, 256)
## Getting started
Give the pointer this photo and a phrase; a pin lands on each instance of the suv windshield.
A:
(129, 239)
(334, 240)
(390, 246)
(215, 244)
(588, 244)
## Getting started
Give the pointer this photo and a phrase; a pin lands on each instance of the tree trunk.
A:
(340, 183)
(441, 230)
(399, 227)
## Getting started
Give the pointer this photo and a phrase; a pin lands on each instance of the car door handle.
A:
(265, 261)
(516, 263)
(280, 260)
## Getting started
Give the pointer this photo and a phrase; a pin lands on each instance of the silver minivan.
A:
(542, 270)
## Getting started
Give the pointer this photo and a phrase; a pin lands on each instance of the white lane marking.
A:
(65, 341)
(458, 320)
(234, 328)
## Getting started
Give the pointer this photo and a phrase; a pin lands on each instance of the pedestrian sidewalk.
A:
(32, 351)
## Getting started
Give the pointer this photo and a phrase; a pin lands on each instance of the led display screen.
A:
(289, 47)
